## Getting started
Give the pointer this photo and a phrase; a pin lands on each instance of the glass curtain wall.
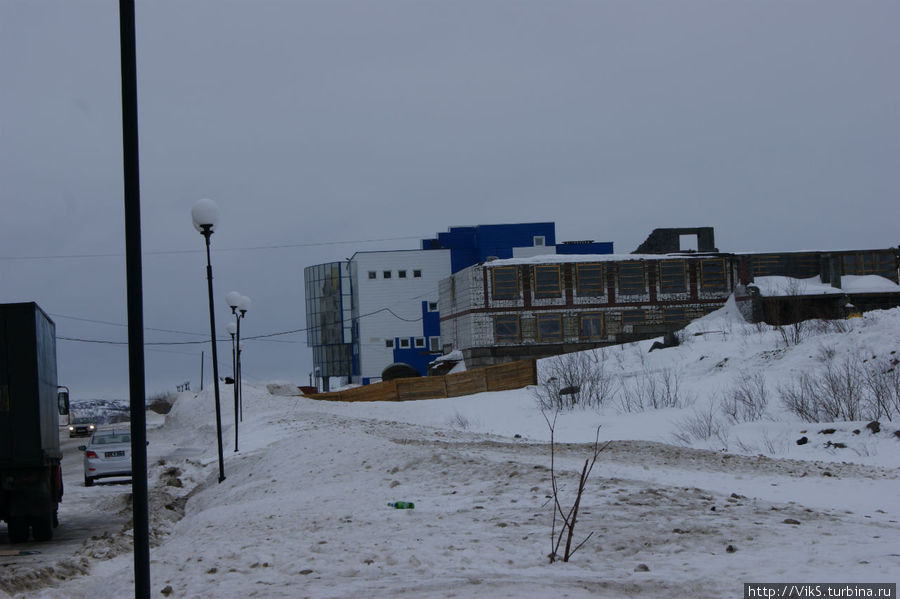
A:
(329, 317)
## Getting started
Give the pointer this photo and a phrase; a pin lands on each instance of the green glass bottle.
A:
(402, 505)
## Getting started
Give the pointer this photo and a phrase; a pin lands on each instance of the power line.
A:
(248, 338)
(194, 251)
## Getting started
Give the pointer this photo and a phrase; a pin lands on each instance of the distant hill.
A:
(103, 411)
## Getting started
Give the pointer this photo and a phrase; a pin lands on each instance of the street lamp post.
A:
(231, 327)
(242, 308)
(205, 215)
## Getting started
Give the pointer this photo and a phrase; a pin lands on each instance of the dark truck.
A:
(30, 475)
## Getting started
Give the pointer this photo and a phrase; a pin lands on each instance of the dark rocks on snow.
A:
(802, 441)
(874, 426)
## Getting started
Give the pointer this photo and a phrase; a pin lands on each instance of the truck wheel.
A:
(88, 481)
(42, 527)
(18, 529)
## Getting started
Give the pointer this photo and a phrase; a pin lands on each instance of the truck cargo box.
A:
(29, 417)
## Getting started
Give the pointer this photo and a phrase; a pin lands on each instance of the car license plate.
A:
(115, 454)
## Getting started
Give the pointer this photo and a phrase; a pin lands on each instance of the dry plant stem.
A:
(568, 517)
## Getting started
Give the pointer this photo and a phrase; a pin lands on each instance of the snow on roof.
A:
(563, 258)
(789, 286)
(868, 284)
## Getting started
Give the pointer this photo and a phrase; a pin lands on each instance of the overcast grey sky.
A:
(777, 122)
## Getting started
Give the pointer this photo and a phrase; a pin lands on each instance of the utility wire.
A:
(215, 250)
(248, 338)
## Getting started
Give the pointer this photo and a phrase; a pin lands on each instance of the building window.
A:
(432, 306)
(404, 343)
(386, 274)
(867, 263)
(505, 281)
(712, 274)
(549, 327)
(540, 240)
(373, 274)
(420, 342)
(589, 279)
(389, 343)
(417, 274)
(401, 274)
(633, 317)
(506, 328)
(592, 326)
(434, 344)
(674, 315)
(672, 276)
(631, 278)
(546, 281)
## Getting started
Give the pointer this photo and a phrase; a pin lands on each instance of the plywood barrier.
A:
(501, 377)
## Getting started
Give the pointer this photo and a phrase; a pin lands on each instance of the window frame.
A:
(630, 290)
(385, 274)
(401, 274)
(404, 343)
(593, 316)
(629, 316)
(706, 281)
(389, 343)
(417, 273)
(548, 317)
(663, 287)
(509, 294)
(509, 320)
(419, 342)
(373, 274)
(547, 291)
(584, 288)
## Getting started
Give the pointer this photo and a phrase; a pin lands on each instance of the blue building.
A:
(379, 308)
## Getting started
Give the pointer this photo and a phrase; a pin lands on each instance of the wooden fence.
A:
(501, 377)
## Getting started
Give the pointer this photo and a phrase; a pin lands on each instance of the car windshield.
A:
(82, 420)
(111, 438)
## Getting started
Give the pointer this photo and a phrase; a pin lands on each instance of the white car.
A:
(107, 454)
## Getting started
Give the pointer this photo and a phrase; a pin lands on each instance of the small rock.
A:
(306, 572)
(730, 549)
(712, 509)
(802, 441)
(791, 521)
(874, 426)
(167, 590)
(641, 568)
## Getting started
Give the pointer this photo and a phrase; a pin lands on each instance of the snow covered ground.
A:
(673, 511)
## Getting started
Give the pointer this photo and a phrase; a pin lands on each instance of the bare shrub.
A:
(826, 353)
(799, 397)
(568, 517)
(651, 390)
(882, 384)
(701, 425)
(822, 326)
(575, 380)
(833, 393)
(460, 421)
(747, 399)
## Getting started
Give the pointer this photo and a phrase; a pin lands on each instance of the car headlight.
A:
(71, 428)
(91, 427)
